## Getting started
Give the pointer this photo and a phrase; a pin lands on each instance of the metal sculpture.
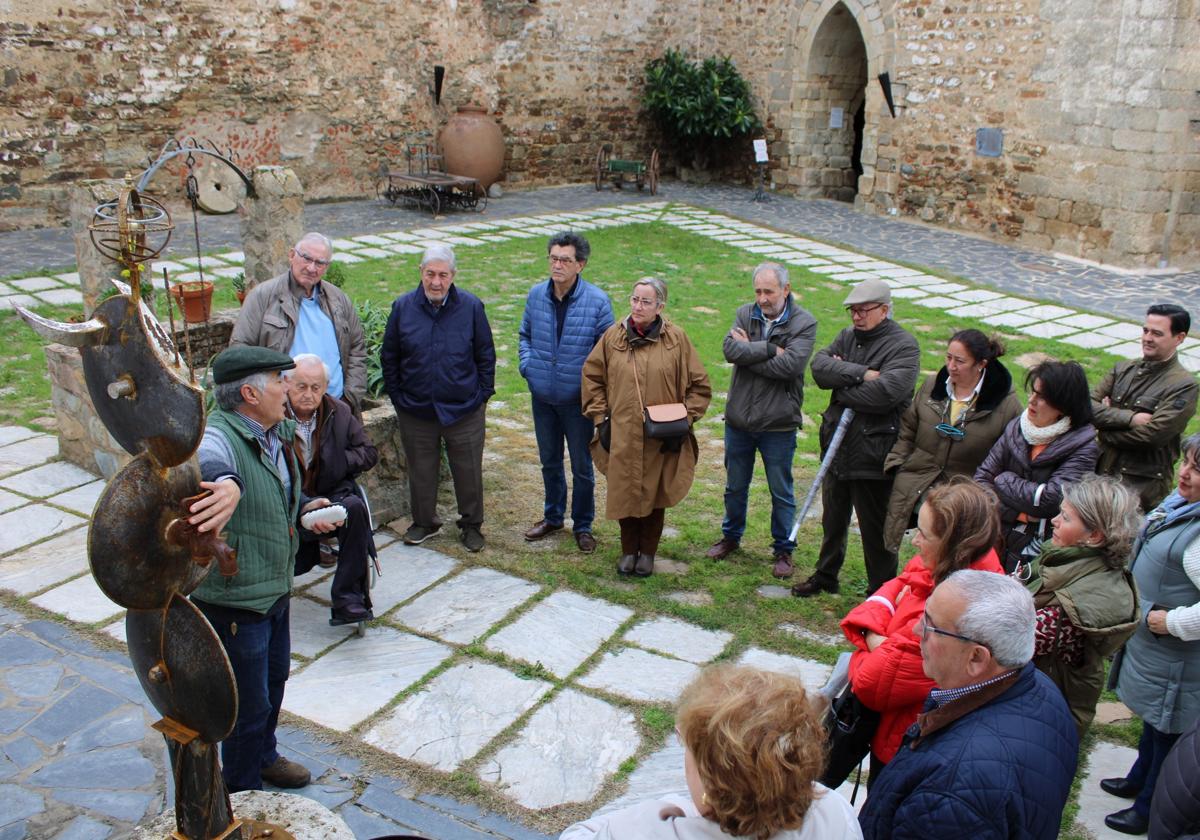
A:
(143, 553)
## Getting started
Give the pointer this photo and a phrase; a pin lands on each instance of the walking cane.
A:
(834, 442)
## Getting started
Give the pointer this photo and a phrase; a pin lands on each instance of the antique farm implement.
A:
(423, 185)
(618, 172)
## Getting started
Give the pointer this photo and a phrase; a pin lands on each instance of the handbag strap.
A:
(636, 382)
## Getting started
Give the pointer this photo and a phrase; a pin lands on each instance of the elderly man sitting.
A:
(994, 752)
(334, 449)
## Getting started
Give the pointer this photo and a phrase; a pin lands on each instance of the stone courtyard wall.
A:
(1097, 99)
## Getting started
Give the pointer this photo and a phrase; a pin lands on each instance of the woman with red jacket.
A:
(958, 527)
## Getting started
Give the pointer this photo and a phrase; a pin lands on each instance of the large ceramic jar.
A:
(473, 145)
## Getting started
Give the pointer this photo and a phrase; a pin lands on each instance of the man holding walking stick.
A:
(871, 368)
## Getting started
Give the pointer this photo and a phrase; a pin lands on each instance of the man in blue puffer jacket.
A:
(994, 752)
(564, 318)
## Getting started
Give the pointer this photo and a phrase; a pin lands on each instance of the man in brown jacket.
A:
(1143, 406)
(297, 312)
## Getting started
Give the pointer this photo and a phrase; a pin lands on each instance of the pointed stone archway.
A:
(832, 138)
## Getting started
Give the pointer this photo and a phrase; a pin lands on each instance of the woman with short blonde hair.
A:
(753, 748)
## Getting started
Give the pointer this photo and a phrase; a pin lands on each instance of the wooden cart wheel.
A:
(602, 157)
(434, 200)
(652, 172)
(480, 204)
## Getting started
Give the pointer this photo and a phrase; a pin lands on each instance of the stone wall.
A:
(1097, 100)
(82, 438)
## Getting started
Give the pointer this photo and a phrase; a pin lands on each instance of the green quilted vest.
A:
(263, 527)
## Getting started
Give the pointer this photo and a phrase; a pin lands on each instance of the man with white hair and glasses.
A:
(297, 312)
(994, 752)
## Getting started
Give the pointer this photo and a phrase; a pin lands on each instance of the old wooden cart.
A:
(421, 184)
(618, 172)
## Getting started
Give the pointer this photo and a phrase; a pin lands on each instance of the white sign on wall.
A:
(835, 117)
(760, 151)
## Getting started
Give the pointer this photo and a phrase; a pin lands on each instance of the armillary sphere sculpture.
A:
(143, 553)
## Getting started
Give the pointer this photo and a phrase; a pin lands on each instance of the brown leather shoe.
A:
(783, 565)
(542, 529)
(286, 774)
(626, 563)
(585, 541)
(722, 548)
(644, 566)
(812, 586)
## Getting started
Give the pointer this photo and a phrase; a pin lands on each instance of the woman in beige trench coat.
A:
(645, 475)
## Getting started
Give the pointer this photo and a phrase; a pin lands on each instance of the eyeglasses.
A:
(924, 626)
(312, 260)
(637, 301)
(859, 311)
(561, 260)
(948, 431)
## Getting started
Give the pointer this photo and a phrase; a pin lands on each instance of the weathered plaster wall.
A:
(1097, 98)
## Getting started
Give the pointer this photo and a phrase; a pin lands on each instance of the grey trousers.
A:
(422, 440)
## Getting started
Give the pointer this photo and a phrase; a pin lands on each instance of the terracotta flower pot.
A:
(473, 145)
(241, 295)
(194, 298)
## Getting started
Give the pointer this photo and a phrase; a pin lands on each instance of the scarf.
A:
(1053, 555)
(637, 337)
(1041, 435)
(1172, 508)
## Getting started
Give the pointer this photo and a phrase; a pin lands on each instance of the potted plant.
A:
(698, 105)
(239, 287)
(194, 298)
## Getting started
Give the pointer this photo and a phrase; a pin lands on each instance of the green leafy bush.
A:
(374, 317)
(698, 104)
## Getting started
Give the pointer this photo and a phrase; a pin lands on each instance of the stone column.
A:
(272, 222)
(95, 269)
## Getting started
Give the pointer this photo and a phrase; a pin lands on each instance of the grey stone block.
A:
(67, 716)
(19, 650)
(108, 769)
(84, 828)
(23, 751)
(127, 806)
(18, 804)
(13, 719)
(365, 824)
(492, 822)
(126, 726)
(34, 680)
(426, 820)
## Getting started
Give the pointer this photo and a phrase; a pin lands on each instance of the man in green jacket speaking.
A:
(247, 462)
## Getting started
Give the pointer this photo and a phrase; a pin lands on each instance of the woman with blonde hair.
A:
(1087, 604)
(753, 747)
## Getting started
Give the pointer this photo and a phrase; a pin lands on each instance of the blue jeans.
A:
(552, 423)
(1153, 747)
(260, 653)
(778, 449)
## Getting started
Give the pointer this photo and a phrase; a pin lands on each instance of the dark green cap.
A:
(236, 363)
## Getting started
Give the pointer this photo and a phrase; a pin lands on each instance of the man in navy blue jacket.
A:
(439, 368)
(994, 752)
(564, 318)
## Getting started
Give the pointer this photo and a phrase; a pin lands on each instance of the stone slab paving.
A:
(466, 606)
(456, 715)
(79, 600)
(41, 566)
(679, 639)
(639, 675)
(310, 628)
(82, 499)
(560, 632)
(1104, 761)
(356, 679)
(31, 523)
(27, 453)
(565, 752)
(48, 479)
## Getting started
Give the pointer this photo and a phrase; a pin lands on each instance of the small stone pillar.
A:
(95, 269)
(272, 222)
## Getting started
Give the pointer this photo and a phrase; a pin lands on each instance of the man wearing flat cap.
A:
(247, 462)
(871, 367)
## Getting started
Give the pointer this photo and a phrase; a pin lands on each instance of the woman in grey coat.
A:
(1157, 675)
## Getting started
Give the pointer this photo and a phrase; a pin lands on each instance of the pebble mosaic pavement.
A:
(507, 726)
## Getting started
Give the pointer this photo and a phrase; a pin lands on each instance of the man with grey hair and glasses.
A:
(439, 368)
(994, 752)
(298, 312)
(768, 346)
